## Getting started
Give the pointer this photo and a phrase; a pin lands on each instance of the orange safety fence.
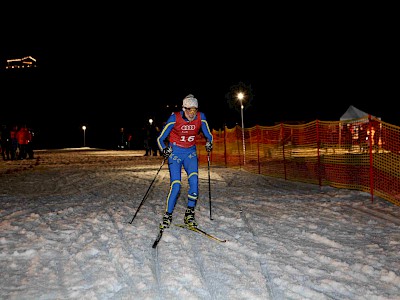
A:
(361, 154)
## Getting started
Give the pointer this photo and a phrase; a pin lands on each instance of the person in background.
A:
(14, 142)
(154, 131)
(23, 137)
(181, 130)
(146, 140)
(5, 142)
(128, 141)
(29, 146)
(122, 139)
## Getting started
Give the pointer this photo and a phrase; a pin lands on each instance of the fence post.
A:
(318, 154)
(258, 148)
(282, 141)
(371, 159)
(225, 154)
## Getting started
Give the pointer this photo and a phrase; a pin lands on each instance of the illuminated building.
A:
(18, 63)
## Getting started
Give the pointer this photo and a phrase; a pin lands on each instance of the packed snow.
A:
(68, 232)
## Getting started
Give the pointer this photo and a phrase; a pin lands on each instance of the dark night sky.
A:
(109, 73)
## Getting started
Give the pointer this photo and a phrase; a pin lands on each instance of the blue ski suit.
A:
(181, 135)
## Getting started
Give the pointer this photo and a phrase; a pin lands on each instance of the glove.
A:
(209, 146)
(167, 151)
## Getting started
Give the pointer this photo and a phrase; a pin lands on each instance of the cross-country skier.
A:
(181, 130)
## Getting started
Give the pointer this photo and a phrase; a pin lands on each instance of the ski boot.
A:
(189, 217)
(166, 222)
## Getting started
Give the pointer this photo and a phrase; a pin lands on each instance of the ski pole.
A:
(145, 196)
(209, 182)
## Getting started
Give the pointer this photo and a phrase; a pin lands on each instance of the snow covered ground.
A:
(65, 233)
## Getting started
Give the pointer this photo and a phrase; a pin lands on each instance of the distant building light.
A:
(25, 62)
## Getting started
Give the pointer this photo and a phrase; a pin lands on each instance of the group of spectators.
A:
(124, 140)
(16, 142)
(148, 134)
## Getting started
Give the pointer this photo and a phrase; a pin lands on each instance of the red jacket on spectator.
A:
(24, 136)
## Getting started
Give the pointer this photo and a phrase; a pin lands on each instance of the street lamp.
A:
(84, 135)
(240, 96)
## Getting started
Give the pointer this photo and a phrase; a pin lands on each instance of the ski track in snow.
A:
(66, 234)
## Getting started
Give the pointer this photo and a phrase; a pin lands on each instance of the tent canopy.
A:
(354, 113)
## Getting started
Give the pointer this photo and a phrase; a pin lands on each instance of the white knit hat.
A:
(190, 101)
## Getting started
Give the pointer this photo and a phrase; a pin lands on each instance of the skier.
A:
(181, 130)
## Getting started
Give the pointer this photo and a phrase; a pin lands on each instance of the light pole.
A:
(84, 135)
(240, 96)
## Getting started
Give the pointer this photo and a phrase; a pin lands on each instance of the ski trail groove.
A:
(200, 264)
(379, 216)
(157, 272)
(273, 291)
(122, 273)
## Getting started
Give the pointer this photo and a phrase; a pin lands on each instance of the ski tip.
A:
(160, 233)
